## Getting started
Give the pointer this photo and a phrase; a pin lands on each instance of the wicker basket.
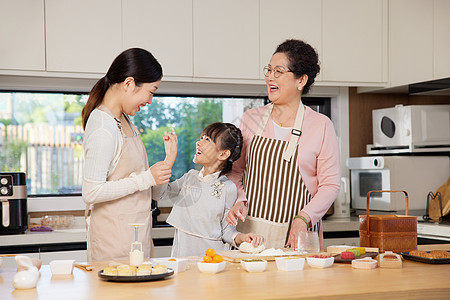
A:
(395, 233)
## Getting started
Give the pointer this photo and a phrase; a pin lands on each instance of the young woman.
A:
(202, 199)
(117, 177)
(289, 171)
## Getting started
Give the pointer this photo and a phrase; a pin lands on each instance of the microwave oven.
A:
(412, 127)
(417, 175)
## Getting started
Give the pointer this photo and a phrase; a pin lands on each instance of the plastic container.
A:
(364, 263)
(290, 263)
(62, 267)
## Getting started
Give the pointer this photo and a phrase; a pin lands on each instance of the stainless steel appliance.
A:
(412, 128)
(418, 175)
(13, 197)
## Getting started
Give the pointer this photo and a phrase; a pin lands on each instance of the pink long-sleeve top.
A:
(318, 158)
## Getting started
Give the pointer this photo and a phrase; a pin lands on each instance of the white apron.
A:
(110, 235)
(273, 185)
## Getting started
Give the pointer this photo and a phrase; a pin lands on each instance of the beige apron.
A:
(110, 235)
(273, 184)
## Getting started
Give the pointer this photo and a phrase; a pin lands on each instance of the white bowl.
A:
(211, 268)
(179, 265)
(62, 267)
(290, 263)
(252, 265)
(315, 262)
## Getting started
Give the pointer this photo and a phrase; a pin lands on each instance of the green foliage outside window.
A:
(188, 118)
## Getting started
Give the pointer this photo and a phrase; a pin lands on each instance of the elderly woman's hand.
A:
(239, 210)
(297, 226)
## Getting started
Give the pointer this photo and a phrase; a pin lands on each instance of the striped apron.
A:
(274, 187)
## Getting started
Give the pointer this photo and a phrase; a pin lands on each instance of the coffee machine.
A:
(13, 198)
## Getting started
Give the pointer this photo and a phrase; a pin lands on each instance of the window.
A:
(41, 134)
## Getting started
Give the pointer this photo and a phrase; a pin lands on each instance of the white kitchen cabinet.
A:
(162, 27)
(410, 41)
(281, 20)
(226, 39)
(441, 41)
(22, 35)
(354, 41)
(83, 36)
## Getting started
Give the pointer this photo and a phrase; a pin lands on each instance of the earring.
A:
(300, 87)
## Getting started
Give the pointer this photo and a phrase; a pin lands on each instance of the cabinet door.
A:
(82, 36)
(410, 41)
(226, 39)
(22, 45)
(353, 41)
(162, 27)
(281, 20)
(441, 39)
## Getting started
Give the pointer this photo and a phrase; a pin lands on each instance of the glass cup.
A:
(308, 241)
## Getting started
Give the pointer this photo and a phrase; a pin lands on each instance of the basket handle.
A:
(368, 203)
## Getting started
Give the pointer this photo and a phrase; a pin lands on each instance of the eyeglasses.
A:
(277, 71)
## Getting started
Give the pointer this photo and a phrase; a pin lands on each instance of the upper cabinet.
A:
(419, 43)
(354, 41)
(226, 39)
(22, 35)
(441, 62)
(162, 27)
(288, 19)
(83, 35)
(410, 41)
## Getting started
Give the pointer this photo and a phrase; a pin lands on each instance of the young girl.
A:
(202, 199)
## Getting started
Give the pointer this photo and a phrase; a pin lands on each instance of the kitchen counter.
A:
(414, 280)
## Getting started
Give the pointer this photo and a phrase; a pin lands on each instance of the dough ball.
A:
(249, 248)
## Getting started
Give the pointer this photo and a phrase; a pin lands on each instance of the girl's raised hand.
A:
(171, 146)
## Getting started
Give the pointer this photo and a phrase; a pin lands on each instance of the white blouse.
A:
(102, 149)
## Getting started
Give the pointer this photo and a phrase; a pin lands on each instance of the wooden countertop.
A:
(413, 280)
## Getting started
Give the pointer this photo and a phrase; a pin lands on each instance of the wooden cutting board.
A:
(236, 256)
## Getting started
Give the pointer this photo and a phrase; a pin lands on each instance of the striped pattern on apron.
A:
(274, 187)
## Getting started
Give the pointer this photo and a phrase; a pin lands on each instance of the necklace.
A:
(287, 120)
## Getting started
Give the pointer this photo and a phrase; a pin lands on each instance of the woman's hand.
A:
(239, 210)
(251, 237)
(171, 147)
(161, 172)
(297, 226)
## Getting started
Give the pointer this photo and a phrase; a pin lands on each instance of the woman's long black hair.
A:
(134, 62)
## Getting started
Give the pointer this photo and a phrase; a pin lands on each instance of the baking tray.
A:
(338, 259)
(425, 259)
(135, 278)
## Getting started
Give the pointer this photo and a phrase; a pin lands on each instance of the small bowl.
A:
(290, 263)
(211, 268)
(254, 265)
(62, 267)
(179, 265)
(322, 263)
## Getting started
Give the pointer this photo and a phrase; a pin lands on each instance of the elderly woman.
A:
(288, 175)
